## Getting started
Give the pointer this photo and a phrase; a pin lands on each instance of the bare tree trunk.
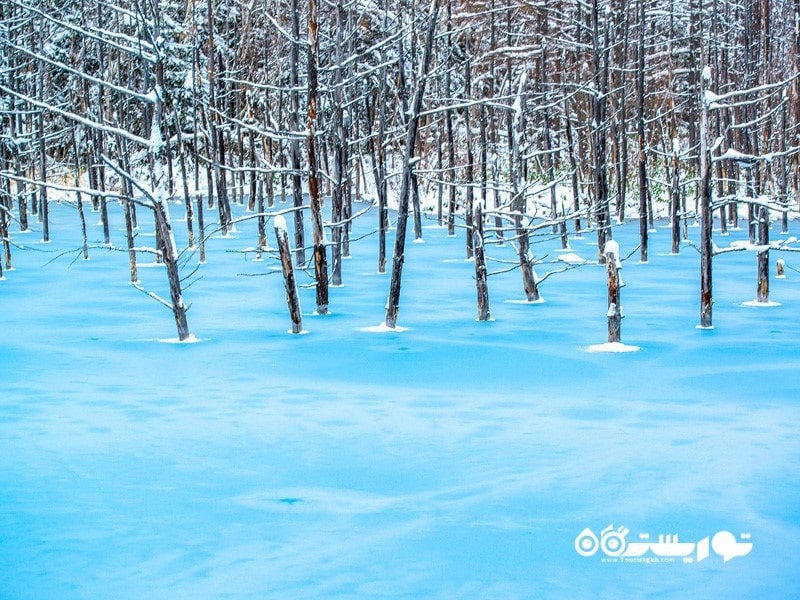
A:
(621, 122)
(415, 205)
(170, 251)
(481, 274)
(675, 199)
(784, 166)
(292, 298)
(601, 49)
(484, 156)
(128, 208)
(100, 180)
(529, 283)
(44, 208)
(706, 215)
(470, 167)
(201, 226)
(5, 209)
(762, 227)
(320, 252)
(160, 205)
(643, 191)
(383, 204)
(559, 225)
(187, 198)
(339, 156)
(294, 98)
(611, 252)
(79, 198)
(439, 178)
(216, 172)
(393, 304)
(573, 167)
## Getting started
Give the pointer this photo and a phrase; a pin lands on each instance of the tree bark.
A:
(393, 304)
(481, 274)
(292, 297)
(600, 49)
(762, 228)
(320, 251)
(640, 91)
(470, 167)
(706, 215)
(611, 253)
(294, 99)
(78, 196)
(518, 204)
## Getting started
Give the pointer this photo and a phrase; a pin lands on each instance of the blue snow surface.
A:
(455, 459)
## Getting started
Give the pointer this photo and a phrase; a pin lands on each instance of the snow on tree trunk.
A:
(481, 274)
(393, 304)
(613, 265)
(779, 264)
(157, 150)
(762, 226)
(170, 251)
(5, 210)
(78, 196)
(289, 282)
(600, 54)
(706, 216)
(573, 165)
(524, 255)
(675, 199)
(640, 92)
(294, 98)
(320, 252)
(470, 168)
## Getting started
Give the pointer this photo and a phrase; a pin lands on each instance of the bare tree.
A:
(409, 161)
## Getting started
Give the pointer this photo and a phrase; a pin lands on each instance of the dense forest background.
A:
(543, 114)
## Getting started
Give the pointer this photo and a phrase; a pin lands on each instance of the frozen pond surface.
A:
(455, 459)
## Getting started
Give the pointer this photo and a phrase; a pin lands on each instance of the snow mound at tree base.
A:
(612, 347)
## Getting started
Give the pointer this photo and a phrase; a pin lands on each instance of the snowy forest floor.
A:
(455, 459)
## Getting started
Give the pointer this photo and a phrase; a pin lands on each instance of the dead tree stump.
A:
(292, 298)
(481, 274)
(613, 265)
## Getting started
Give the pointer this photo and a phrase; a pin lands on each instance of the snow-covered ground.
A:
(454, 459)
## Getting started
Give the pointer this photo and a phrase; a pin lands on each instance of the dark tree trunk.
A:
(706, 215)
(640, 91)
(187, 198)
(292, 298)
(383, 204)
(78, 195)
(601, 49)
(294, 98)
(611, 252)
(393, 304)
(518, 204)
(128, 208)
(44, 208)
(559, 224)
(762, 294)
(5, 209)
(675, 200)
(470, 167)
(160, 207)
(416, 209)
(320, 252)
(481, 274)
(573, 168)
